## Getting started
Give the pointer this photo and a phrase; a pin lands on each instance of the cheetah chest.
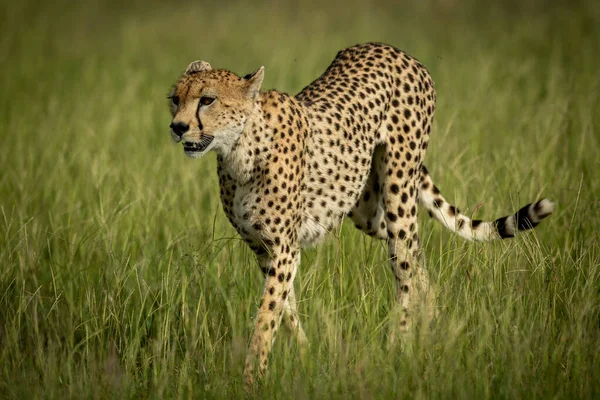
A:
(262, 215)
(248, 214)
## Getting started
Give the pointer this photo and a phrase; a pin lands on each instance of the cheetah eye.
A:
(174, 99)
(205, 100)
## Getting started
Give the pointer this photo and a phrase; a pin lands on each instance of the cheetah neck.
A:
(245, 154)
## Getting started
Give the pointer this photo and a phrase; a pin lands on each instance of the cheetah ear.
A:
(197, 66)
(253, 82)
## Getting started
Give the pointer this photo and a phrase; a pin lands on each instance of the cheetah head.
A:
(210, 108)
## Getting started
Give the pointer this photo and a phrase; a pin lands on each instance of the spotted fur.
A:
(450, 216)
(291, 168)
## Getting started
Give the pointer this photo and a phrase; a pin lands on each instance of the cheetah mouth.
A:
(196, 147)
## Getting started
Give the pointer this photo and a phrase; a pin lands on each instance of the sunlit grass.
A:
(121, 277)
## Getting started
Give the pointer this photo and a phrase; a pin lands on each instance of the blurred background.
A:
(121, 277)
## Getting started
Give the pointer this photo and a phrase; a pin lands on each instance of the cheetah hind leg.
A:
(368, 213)
(414, 314)
(387, 209)
(422, 303)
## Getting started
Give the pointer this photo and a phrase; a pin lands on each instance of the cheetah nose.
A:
(179, 128)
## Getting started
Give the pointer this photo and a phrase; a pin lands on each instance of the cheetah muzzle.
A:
(195, 149)
(291, 168)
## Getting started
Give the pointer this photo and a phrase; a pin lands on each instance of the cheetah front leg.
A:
(280, 264)
(290, 310)
(292, 320)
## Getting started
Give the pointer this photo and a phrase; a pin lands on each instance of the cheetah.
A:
(291, 168)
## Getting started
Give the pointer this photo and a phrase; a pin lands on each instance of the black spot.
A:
(522, 218)
(272, 305)
(475, 223)
(404, 265)
(394, 188)
(501, 228)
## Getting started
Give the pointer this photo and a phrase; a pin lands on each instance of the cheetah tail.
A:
(505, 227)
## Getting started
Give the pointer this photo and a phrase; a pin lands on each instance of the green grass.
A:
(121, 277)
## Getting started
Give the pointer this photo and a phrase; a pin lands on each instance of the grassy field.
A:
(121, 277)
